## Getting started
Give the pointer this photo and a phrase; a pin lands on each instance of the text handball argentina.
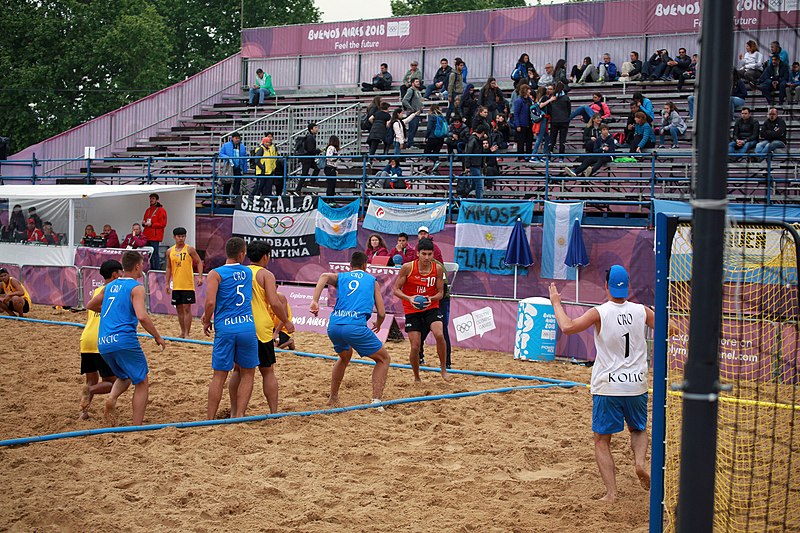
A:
(284, 248)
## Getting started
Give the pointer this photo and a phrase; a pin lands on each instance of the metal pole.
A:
(701, 384)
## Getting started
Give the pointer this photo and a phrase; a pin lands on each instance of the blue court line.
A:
(524, 377)
(258, 418)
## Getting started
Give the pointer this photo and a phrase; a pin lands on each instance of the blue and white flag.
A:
(394, 218)
(483, 232)
(558, 221)
(337, 226)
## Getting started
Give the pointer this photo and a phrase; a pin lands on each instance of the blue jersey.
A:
(355, 298)
(117, 317)
(234, 311)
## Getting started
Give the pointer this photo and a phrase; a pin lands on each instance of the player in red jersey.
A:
(420, 285)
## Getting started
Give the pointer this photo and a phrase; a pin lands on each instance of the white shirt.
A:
(752, 60)
(620, 368)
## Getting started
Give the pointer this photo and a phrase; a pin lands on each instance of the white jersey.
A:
(620, 368)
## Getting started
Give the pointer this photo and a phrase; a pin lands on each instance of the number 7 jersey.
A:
(620, 368)
(234, 310)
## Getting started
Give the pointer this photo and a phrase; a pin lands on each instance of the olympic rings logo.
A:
(463, 327)
(273, 225)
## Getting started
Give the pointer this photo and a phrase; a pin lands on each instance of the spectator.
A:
(521, 120)
(154, 221)
(412, 104)
(559, 108)
(540, 128)
(738, 93)
(677, 66)
(36, 219)
(643, 135)
(404, 250)
(490, 97)
(503, 129)
(481, 119)
(457, 136)
(134, 239)
(48, 236)
(632, 70)
(520, 71)
(394, 175)
(34, 234)
(474, 162)
(657, 65)
(262, 86)
(469, 104)
(491, 145)
(604, 144)
(414, 73)
(111, 237)
(547, 78)
(374, 106)
(591, 132)
(266, 164)
(773, 134)
(776, 50)
(382, 81)
(463, 68)
(308, 146)
(532, 79)
(560, 74)
(435, 134)
(439, 79)
(608, 70)
(583, 73)
(399, 125)
(16, 230)
(690, 74)
(376, 247)
(793, 86)
(774, 78)
(88, 233)
(597, 107)
(378, 130)
(745, 133)
(672, 124)
(424, 233)
(455, 86)
(631, 125)
(233, 155)
(645, 105)
(751, 62)
(330, 168)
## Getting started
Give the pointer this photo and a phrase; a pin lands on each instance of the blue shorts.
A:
(128, 364)
(610, 412)
(358, 337)
(240, 347)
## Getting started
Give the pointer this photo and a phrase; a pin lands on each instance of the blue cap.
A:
(618, 282)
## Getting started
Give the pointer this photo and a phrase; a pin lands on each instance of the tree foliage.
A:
(63, 62)
(402, 8)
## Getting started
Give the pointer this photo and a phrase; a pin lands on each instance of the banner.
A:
(483, 232)
(337, 227)
(288, 223)
(392, 218)
(558, 220)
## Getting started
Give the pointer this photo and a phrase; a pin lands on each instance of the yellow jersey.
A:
(91, 330)
(182, 269)
(261, 317)
(275, 318)
(8, 288)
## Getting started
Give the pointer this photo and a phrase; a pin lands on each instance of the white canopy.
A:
(71, 207)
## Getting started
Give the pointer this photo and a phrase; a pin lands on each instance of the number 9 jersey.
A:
(355, 298)
(233, 310)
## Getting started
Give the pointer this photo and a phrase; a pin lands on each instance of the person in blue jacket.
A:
(645, 105)
(643, 135)
(234, 153)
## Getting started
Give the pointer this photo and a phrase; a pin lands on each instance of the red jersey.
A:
(417, 284)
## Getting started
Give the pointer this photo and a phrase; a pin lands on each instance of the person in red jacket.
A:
(154, 221)
(34, 234)
(134, 239)
(111, 237)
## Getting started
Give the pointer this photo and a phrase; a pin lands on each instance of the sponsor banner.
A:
(85, 256)
(51, 285)
(392, 218)
(476, 322)
(161, 302)
(288, 223)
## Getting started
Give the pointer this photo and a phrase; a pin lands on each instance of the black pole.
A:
(701, 385)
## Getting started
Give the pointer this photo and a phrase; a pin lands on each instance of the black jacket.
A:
(378, 130)
(310, 143)
(745, 131)
(560, 109)
(474, 146)
(774, 130)
(637, 68)
(442, 75)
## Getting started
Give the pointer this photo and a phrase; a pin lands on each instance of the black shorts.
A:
(283, 338)
(27, 307)
(422, 321)
(266, 354)
(183, 297)
(94, 362)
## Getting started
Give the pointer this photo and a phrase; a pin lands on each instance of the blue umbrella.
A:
(576, 253)
(518, 251)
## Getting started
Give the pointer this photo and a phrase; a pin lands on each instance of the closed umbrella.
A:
(518, 251)
(576, 254)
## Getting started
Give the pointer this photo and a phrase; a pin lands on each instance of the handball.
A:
(420, 302)
(397, 260)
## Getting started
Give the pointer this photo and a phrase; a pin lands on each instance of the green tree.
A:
(402, 8)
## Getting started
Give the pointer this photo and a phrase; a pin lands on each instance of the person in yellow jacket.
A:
(14, 297)
(93, 366)
(266, 165)
(264, 293)
(181, 259)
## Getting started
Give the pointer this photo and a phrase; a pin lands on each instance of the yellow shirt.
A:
(8, 288)
(91, 330)
(275, 318)
(262, 319)
(182, 269)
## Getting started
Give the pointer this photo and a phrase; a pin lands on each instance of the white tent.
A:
(71, 207)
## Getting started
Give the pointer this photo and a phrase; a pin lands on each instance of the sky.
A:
(338, 10)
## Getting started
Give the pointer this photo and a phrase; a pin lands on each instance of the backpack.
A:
(518, 73)
(463, 187)
(440, 130)
(619, 138)
(366, 125)
(389, 138)
(300, 146)
(537, 114)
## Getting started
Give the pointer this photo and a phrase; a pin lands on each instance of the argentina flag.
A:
(394, 218)
(483, 232)
(337, 226)
(558, 221)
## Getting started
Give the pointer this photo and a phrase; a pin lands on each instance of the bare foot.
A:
(610, 498)
(86, 398)
(110, 412)
(83, 415)
(333, 402)
(447, 377)
(644, 477)
(417, 380)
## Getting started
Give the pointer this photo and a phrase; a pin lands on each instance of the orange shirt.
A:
(417, 284)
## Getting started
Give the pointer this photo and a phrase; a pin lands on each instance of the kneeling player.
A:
(357, 295)
(14, 298)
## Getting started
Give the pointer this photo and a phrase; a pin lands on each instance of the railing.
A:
(629, 188)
